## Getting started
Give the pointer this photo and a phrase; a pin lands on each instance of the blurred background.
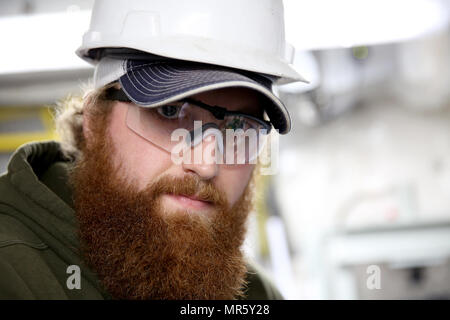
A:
(360, 206)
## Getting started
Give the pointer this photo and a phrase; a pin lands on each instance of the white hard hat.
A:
(241, 34)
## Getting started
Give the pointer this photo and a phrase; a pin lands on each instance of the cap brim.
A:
(152, 84)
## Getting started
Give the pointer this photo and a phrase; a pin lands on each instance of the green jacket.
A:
(38, 239)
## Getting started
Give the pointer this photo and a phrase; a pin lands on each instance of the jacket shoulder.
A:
(12, 286)
(14, 232)
(26, 264)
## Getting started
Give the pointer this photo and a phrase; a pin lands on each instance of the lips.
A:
(190, 201)
(196, 198)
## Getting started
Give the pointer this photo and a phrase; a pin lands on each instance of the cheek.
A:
(141, 161)
(233, 180)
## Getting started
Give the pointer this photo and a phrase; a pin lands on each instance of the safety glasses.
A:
(186, 123)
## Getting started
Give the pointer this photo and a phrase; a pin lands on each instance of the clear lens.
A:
(243, 137)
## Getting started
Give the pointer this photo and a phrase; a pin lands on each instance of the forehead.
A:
(234, 99)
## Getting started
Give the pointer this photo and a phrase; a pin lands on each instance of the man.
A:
(109, 212)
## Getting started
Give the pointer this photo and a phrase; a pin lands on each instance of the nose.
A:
(203, 159)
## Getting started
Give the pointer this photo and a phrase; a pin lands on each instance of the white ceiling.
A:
(17, 7)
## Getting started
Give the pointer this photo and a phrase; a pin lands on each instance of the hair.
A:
(68, 116)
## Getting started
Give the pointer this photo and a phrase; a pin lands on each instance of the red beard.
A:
(138, 250)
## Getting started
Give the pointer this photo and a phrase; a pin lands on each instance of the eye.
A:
(236, 123)
(169, 111)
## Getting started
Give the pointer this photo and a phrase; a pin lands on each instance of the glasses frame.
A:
(218, 112)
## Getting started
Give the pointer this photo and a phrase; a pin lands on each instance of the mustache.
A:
(190, 186)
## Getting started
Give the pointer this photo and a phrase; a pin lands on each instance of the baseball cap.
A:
(152, 83)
